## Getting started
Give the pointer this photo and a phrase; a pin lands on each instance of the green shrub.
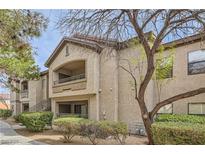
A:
(5, 113)
(180, 118)
(16, 117)
(91, 130)
(69, 116)
(68, 126)
(178, 133)
(47, 117)
(21, 116)
(36, 121)
(103, 129)
(118, 130)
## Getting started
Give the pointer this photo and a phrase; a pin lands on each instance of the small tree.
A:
(123, 24)
(17, 28)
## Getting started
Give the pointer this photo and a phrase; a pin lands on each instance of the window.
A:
(196, 62)
(164, 68)
(196, 108)
(24, 85)
(77, 109)
(65, 108)
(166, 109)
(25, 107)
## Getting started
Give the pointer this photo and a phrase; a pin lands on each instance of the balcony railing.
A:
(68, 79)
(72, 115)
(24, 94)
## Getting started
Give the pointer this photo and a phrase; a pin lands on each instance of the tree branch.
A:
(175, 98)
(135, 81)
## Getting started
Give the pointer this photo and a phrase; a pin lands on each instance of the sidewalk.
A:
(9, 137)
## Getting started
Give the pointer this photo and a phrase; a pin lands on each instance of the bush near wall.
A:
(5, 113)
(92, 130)
(68, 126)
(180, 118)
(178, 133)
(71, 126)
(36, 121)
(118, 130)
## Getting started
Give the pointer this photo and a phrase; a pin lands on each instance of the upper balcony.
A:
(24, 89)
(71, 76)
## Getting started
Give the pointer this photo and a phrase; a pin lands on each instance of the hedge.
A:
(175, 133)
(5, 113)
(180, 118)
(71, 126)
(36, 121)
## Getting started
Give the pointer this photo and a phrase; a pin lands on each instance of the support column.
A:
(53, 107)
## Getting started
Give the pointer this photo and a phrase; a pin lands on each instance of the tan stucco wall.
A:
(90, 92)
(129, 111)
(108, 84)
(35, 94)
(181, 81)
(76, 53)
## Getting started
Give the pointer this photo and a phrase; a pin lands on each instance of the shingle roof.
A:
(185, 40)
(97, 44)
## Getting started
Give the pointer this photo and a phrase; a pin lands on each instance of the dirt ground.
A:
(54, 138)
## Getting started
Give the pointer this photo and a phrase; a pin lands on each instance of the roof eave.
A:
(95, 47)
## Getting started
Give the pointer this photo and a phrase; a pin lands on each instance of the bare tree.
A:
(124, 24)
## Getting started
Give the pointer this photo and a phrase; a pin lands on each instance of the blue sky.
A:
(45, 44)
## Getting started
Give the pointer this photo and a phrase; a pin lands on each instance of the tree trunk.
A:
(146, 120)
(147, 123)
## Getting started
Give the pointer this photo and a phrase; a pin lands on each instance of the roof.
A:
(79, 41)
(43, 72)
(97, 44)
(4, 106)
(4, 96)
(185, 41)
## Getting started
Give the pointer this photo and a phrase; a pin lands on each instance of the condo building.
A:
(85, 77)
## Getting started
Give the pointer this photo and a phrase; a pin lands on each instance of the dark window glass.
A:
(77, 109)
(196, 62)
(26, 107)
(64, 108)
(24, 85)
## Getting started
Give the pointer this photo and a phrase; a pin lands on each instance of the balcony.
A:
(24, 94)
(68, 79)
(70, 76)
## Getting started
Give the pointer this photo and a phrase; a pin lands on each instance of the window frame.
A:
(194, 62)
(172, 70)
(194, 103)
(167, 113)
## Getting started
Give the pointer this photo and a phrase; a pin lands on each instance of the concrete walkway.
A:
(8, 136)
